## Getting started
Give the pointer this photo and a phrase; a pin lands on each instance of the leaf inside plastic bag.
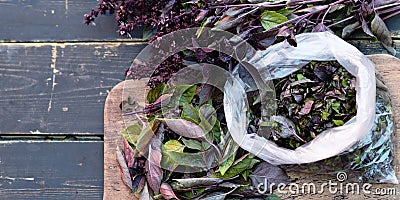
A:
(349, 29)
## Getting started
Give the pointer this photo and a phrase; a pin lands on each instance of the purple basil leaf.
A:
(229, 22)
(138, 183)
(306, 108)
(365, 27)
(145, 194)
(125, 175)
(309, 9)
(264, 39)
(128, 152)
(185, 128)
(321, 28)
(167, 192)
(154, 172)
(381, 31)
(287, 34)
(201, 15)
(234, 12)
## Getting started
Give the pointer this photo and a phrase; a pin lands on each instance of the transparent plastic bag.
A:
(370, 159)
(282, 59)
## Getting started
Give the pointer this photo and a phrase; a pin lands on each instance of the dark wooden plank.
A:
(368, 46)
(44, 20)
(394, 26)
(51, 170)
(59, 88)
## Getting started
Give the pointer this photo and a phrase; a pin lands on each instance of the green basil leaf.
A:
(242, 165)
(192, 144)
(190, 113)
(338, 122)
(132, 133)
(154, 93)
(270, 19)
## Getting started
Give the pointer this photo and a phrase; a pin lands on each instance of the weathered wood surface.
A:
(388, 66)
(51, 170)
(54, 20)
(392, 23)
(368, 46)
(59, 88)
(114, 122)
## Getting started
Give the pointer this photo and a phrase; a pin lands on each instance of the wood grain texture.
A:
(388, 66)
(59, 88)
(51, 170)
(114, 122)
(368, 47)
(54, 20)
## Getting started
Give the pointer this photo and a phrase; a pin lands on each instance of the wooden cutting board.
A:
(388, 66)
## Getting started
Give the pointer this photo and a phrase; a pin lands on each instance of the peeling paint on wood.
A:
(60, 20)
(59, 88)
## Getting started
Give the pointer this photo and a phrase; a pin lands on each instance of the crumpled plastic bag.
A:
(281, 60)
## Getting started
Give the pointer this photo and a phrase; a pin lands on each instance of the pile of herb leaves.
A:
(319, 96)
(193, 133)
(361, 159)
(186, 131)
(189, 134)
(258, 21)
